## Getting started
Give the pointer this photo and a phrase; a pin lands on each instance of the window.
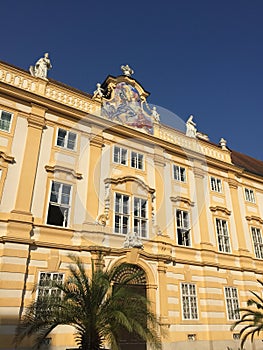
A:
(124, 218)
(189, 301)
(257, 240)
(140, 217)
(121, 213)
(46, 285)
(66, 139)
(232, 303)
(249, 195)
(216, 184)
(59, 204)
(183, 230)
(222, 236)
(137, 160)
(120, 155)
(179, 173)
(5, 120)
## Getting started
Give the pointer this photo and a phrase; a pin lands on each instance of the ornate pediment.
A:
(124, 102)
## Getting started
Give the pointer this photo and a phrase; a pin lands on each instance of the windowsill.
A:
(65, 149)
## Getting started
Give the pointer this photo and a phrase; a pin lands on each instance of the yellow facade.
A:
(199, 212)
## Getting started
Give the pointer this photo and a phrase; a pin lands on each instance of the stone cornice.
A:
(120, 180)
(219, 208)
(182, 199)
(61, 169)
(6, 158)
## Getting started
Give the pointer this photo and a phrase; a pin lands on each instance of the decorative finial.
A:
(126, 70)
(98, 93)
(191, 127)
(223, 143)
(41, 67)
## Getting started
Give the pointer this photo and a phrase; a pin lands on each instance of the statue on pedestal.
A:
(126, 70)
(98, 93)
(191, 127)
(41, 67)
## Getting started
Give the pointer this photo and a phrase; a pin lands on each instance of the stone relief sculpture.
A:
(132, 240)
(126, 70)
(191, 127)
(41, 67)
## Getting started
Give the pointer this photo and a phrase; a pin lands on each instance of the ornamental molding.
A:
(182, 200)
(62, 169)
(129, 178)
(254, 218)
(222, 209)
(232, 183)
(6, 158)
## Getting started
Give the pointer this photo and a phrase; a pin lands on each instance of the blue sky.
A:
(200, 57)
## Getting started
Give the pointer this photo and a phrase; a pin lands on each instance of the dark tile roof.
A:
(249, 164)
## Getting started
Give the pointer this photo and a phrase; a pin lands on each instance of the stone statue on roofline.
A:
(126, 70)
(98, 93)
(191, 127)
(156, 115)
(41, 67)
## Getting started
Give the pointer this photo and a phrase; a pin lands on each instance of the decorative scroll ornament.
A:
(126, 70)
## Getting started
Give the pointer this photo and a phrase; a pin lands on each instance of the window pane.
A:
(71, 140)
(61, 137)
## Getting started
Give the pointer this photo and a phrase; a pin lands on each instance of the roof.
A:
(249, 164)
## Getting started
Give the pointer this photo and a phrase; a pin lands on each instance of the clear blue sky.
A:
(200, 57)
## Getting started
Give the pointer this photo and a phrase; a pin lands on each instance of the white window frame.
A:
(66, 139)
(232, 303)
(249, 195)
(45, 281)
(4, 123)
(61, 202)
(189, 301)
(222, 233)
(132, 216)
(257, 242)
(121, 156)
(140, 215)
(183, 228)
(216, 184)
(137, 160)
(179, 173)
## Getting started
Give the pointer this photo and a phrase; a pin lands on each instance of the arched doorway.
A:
(129, 341)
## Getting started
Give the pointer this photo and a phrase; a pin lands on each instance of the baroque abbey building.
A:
(100, 176)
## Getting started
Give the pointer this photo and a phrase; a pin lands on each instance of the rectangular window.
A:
(216, 184)
(120, 155)
(5, 120)
(249, 195)
(66, 139)
(46, 285)
(257, 240)
(232, 303)
(189, 301)
(179, 173)
(137, 160)
(59, 204)
(140, 217)
(121, 217)
(222, 236)
(182, 226)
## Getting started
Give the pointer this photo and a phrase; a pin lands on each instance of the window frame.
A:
(189, 301)
(142, 219)
(59, 203)
(179, 175)
(216, 184)
(120, 155)
(232, 303)
(250, 195)
(3, 121)
(66, 139)
(226, 246)
(257, 241)
(138, 163)
(49, 287)
(183, 229)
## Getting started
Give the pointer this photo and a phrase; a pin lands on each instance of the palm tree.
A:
(97, 312)
(252, 318)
